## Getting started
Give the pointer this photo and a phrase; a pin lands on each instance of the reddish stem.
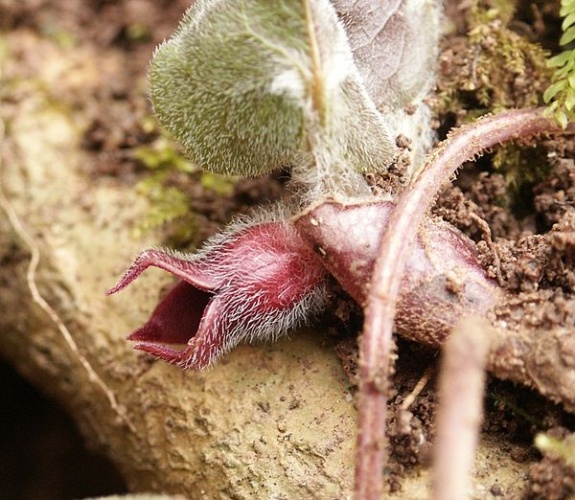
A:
(375, 360)
(461, 387)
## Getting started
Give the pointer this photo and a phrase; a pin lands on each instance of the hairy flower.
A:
(253, 282)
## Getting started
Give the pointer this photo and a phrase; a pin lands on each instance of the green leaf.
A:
(569, 100)
(568, 21)
(561, 118)
(252, 86)
(568, 36)
(216, 85)
(560, 59)
(567, 6)
(395, 46)
(553, 90)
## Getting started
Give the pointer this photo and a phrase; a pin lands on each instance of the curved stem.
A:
(375, 360)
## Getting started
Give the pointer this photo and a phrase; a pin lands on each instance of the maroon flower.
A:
(253, 282)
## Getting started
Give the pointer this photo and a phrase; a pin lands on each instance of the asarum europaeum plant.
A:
(223, 94)
(259, 279)
(249, 86)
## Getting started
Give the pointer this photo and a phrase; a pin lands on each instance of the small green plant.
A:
(563, 448)
(560, 95)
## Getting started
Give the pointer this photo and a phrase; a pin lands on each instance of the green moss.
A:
(504, 10)
(222, 185)
(161, 155)
(492, 69)
(511, 71)
(169, 186)
(495, 68)
(522, 167)
(168, 205)
(137, 32)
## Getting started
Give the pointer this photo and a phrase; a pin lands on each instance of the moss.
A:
(168, 206)
(168, 186)
(490, 69)
(522, 167)
(137, 32)
(494, 68)
(511, 71)
(219, 184)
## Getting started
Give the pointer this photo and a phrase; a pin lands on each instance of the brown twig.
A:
(375, 359)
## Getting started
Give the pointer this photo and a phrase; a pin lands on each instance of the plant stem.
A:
(461, 387)
(375, 351)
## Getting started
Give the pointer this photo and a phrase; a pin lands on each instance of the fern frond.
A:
(560, 95)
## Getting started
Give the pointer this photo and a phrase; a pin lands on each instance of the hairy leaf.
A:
(252, 86)
(395, 46)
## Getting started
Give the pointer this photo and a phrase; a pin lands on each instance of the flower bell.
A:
(253, 282)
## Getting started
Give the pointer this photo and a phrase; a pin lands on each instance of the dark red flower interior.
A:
(177, 317)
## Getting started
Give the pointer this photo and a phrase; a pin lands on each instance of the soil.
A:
(527, 243)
